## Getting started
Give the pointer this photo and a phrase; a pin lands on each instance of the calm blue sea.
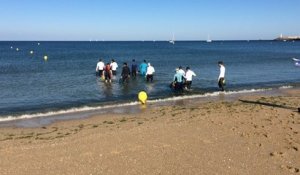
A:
(30, 85)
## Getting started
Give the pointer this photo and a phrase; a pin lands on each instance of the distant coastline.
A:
(287, 38)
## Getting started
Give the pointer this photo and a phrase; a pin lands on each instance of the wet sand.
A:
(253, 134)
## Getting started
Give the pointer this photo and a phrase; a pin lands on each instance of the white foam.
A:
(68, 111)
(285, 87)
(88, 108)
(212, 94)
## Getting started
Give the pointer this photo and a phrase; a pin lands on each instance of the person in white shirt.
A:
(189, 77)
(221, 79)
(149, 73)
(114, 67)
(100, 67)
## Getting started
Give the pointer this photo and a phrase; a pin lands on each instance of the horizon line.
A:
(131, 40)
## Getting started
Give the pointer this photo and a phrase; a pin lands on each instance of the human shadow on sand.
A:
(271, 105)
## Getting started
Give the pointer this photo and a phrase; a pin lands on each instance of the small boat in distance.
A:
(295, 59)
(297, 62)
(172, 41)
(208, 39)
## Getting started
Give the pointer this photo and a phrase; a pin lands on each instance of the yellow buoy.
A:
(142, 97)
(45, 57)
(31, 52)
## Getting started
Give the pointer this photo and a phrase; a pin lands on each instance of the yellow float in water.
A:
(31, 52)
(45, 57)
(143, 97)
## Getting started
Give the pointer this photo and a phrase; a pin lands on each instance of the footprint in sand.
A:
(265, 135)
(255, 126)
(233, 129)
(277, 154)
(291, 169)
(259, 145)
(295, 148)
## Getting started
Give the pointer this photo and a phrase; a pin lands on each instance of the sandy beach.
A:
(251, 135)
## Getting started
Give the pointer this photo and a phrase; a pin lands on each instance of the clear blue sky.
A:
(147, 19)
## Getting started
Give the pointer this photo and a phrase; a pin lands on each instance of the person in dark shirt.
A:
(125, 73)
(133, 68)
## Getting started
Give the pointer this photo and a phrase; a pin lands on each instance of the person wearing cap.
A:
(189, 77)
(149, 73)
(221, 79)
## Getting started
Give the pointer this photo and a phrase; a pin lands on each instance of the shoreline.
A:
(135, 107)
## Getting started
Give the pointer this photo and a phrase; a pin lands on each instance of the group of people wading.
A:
(182, 79)
(109, 70)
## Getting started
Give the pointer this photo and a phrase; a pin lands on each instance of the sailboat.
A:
(297, 62)
(172, 41)
(208, 39)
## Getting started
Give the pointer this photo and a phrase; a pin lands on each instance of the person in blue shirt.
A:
(143, 68)
(178, 81)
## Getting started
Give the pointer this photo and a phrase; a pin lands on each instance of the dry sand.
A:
(254, 135)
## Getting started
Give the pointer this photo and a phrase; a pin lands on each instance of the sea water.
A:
(66, 81)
